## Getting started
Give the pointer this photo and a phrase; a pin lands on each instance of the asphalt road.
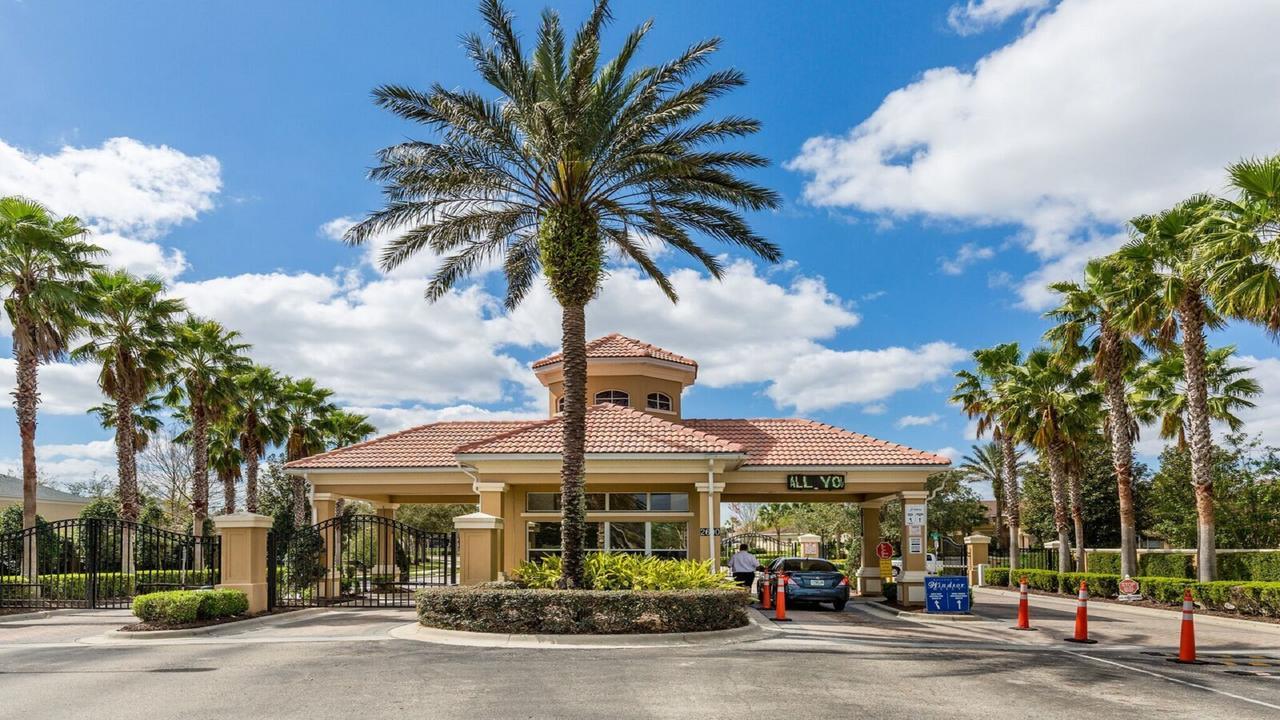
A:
(851, 664)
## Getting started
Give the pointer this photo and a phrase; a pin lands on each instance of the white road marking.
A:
(1173, 679)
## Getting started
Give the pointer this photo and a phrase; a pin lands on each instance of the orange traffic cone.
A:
(780, 601)
(1187, 647)
(767, 592)
(1024, 608)
(1082, 617)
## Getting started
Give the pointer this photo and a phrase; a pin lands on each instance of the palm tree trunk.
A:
(250, 478)
(126, 462)
(200, 468)
(1191, 316)
(228, 491)
(1119, 420)
(1057, 486)
(1077, 519)
(572, 497)
(298, 486)
(26, 399)
(1009, 458)
(999, 534)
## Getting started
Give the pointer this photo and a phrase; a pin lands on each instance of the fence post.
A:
(244, 555)
(976, 546)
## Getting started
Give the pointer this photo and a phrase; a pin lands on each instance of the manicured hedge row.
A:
(506, 609)
(180, 607)
(1239, 567)
(63, 586)
(1245, 598)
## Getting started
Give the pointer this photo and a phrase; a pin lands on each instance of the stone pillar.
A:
(479, 547)
(324, 508)
(707, 513)
(868, 574)
(491, 496)
(977, 546)
(810, 545)
(386, 564)
(914, 532)
(244, 556)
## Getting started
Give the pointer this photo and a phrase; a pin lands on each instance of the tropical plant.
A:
(344, 428)
(44, 266)
(225, 458)
(1087, 329)
(146, 419)
(980, 394)
(985, 462)
(572, 161)
(307, 409)
(262, 422)
(206, 358)
(129, 324)
(1163, 293)
(1160, 392)
(1243, 245)
(1051, 405)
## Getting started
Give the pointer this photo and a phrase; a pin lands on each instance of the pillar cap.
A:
(477, 521)
(976, 539)
(1052, 545)
(809, 537)
(914, 494)
(242, 520)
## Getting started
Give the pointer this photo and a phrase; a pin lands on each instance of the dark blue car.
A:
(809, 580)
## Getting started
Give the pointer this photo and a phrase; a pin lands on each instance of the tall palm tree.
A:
(1087, 328)
(130, 336)
(1160, 392)
(307, 408)
(1049, 405)
(1244, 245)
(1164, 294)
(572, 161)
(986, 462)
(146, 419)
(260, 416)
(979, 393)
(225, 458)
(344, 428)
(206, 358)
(44, 267)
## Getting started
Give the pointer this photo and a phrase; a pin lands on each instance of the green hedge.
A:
(71, 586)
(180, 607)
(1248, 567)
(1244, 598)
(1254, 567)
(1106, 563)
(509, 609)
(1165, 566)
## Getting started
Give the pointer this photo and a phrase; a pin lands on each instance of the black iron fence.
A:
(359, 560)
(100, 563)
(767, 547)
(1028, 559)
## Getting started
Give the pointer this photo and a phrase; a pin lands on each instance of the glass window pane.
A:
(542, 502)
(669, 502)
(624, 536)
(617, 397)
(595, 501)
(669, 536)
(658, 401)
(544, 536)
(628, 502)
(594, 540)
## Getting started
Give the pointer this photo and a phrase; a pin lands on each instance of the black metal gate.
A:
(762, 545)
(358, 561)
(100, 563)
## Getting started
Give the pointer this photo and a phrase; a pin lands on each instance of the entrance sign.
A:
(884, 550)
(946, 594)
(916, 545)
(1129, 589)
(914, 514)
(815, 482)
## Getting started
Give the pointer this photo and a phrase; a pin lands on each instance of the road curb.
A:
(1145, 611)
(39, 615)
(749, 633)
(246, 624)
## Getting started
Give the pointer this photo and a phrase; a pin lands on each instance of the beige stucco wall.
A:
(50, 510)
(637, 387)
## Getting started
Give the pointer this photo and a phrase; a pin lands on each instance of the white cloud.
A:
(1069, 130)
(121, 186)
(875, 409)
(141, 257)
(1264, 417)
(968, 254)
(336, 228)
(977, 15)
(392, 419)
(949, 452)
(830, 378)
(64, 463)
(65, 389)
(918, 420)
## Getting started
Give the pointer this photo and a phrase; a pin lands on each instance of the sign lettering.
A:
(815, 482)
(708, 532)
(946, 594)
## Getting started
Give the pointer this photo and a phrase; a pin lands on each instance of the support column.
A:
(914, 531)
(479, 547)
(244, 556)
(386, 564)
(868, 575)
(810, 545)
(707, 547)
(323, 509)
(977, 546)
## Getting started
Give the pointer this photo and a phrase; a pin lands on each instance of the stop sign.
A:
(884, 550)
(1128, 586)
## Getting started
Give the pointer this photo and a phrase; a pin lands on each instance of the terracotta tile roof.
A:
(610, 429)
(805, 442)
(614, 345)
(423, 446)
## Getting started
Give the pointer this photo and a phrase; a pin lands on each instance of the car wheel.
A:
(838, 605)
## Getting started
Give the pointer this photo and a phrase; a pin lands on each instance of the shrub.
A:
(1105, 563)
(574, 612)
(890, 590)
(180, 607)
(1165, 565)
(1097, 583)
(1046, 580)
(1255, 566)
(616, 571)
(995, 575)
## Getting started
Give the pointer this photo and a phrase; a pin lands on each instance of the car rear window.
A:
(807, 565)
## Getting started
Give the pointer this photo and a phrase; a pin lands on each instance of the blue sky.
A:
(939, 162)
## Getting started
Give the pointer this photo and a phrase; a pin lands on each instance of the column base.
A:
(911, 588)
(256, 592)
(869, 581)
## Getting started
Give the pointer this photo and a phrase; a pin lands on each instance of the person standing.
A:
(743, 565)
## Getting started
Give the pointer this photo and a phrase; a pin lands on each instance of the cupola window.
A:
(617, 397)
(659, 401)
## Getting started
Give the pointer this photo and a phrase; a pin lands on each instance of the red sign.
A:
(1128, 586)
(884, 550)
